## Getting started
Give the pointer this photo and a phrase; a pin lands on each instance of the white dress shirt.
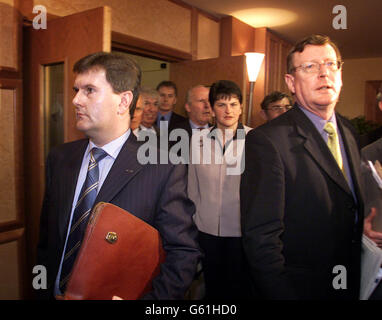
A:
(112, 149)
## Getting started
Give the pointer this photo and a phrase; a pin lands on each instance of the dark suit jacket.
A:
(373, 194)
(185, 125)
(153, 192)
(370, 137)
(373, 151)
(298, 212)
(174, 121)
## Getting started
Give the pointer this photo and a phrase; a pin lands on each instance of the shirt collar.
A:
(239, 126)
(166, 116)
(195, 126)
(318, 122)
(142, 127)
(113, 147)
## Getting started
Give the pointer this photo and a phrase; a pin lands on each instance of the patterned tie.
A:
(334, 144)
(81, 215)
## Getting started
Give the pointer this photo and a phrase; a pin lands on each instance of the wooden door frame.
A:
(130, 44)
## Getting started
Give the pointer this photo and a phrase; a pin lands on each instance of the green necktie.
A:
(334, 144)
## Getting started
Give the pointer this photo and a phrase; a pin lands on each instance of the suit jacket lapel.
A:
(70, 171)
(316, 147)
(125, 167)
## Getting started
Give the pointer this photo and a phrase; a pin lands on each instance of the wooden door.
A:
(65, 40)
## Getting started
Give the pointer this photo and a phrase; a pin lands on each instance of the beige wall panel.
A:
(9, 35)
(7, 159)
(9, 272)
(355, 73)
(159, 21)
(9, 2)
(208, 38)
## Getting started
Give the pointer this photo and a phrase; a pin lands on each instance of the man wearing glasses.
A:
(301, 205)
(275, 104)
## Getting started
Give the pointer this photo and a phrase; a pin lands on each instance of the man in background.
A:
(275, 104)
(373, 151)
(373, 199)
(148, 101)
(167, 100)
(198, 109)
(372, 136)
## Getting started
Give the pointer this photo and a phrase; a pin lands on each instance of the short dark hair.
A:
(223, 89)
(273, 97)
(122, 73)
(170, 84)
(314, 39)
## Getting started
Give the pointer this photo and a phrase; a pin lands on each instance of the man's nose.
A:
(324, 70)
(76, 100)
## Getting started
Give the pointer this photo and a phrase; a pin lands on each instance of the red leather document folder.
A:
(119, 256)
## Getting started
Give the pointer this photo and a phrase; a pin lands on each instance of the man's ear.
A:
(263, 115)
(187, 107)
(380, 105)
(126, 100)
(289, 80)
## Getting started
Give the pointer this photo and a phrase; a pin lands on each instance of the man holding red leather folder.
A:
(104, 168)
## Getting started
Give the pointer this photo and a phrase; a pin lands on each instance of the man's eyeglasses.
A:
(314, 67)
(279, 109)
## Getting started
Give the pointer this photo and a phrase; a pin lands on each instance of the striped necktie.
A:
(81, 215)
(334, 144)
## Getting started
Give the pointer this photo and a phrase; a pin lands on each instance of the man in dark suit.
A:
(373, 199)
(106, 89)
(167, 101)
(301, 203)
(374, 136)
(198, 109)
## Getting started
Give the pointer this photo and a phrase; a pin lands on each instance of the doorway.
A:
(153, 70)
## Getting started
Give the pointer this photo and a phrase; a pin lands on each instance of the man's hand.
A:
(367, 230)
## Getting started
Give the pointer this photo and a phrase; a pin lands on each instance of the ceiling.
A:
(294, 19)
